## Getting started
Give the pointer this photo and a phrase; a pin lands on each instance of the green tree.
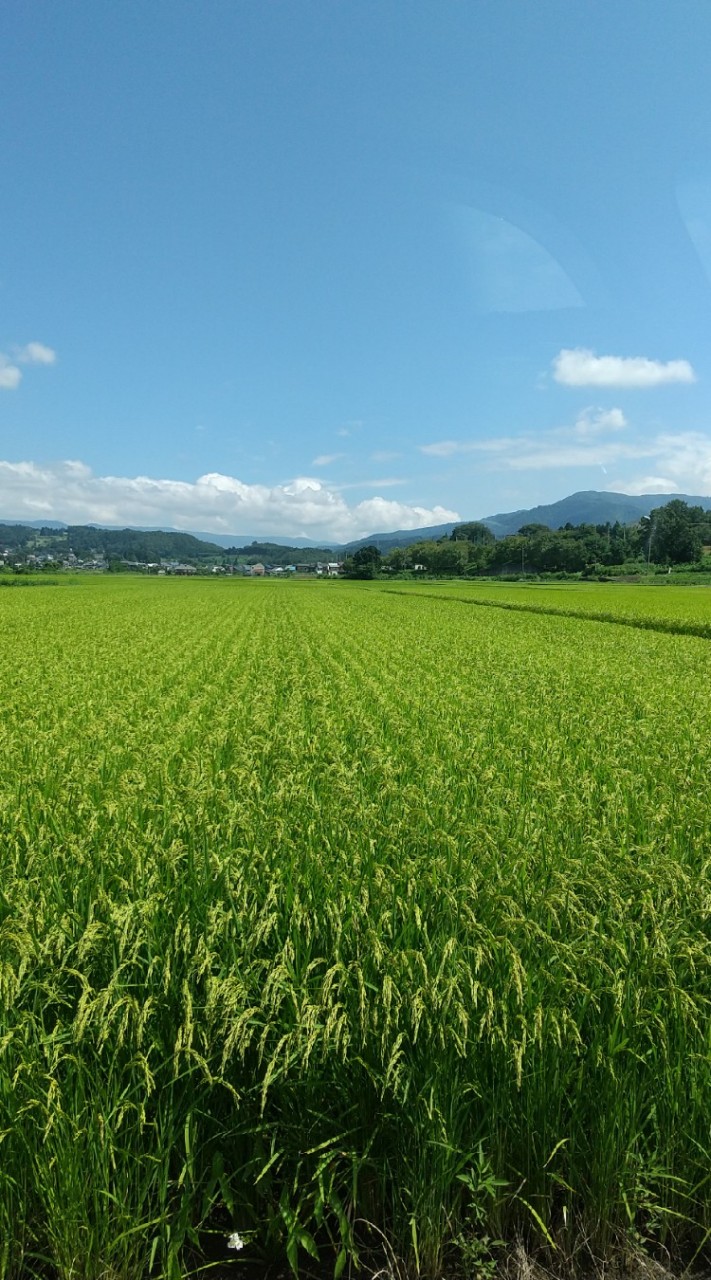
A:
(535, 530)
(510, 555)
(674, 535)
(398, 559)
(472, 531)
(448, 558)
(364, 563)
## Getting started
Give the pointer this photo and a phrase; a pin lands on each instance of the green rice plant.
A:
(680, 610)
(322, 905)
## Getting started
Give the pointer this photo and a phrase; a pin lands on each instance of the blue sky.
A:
(325, 269)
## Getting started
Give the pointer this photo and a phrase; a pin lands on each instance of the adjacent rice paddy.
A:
(327, 904)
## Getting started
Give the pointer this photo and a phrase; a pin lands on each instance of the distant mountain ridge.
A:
(215, 539)
(89, 542)
(585, 507)
(589, 506)
(401, 538)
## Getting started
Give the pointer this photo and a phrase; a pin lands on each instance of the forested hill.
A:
(586, 507)
(136, 544)
(589, 507)
(151, 545)
(146, 546)
(85, 541)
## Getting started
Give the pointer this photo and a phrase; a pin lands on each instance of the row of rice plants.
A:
(321, 905)
(681, 610)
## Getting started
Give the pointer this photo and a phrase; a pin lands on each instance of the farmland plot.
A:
(679, 610)
(321, 905)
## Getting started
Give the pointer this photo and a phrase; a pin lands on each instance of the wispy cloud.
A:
(673, 462)
(445, 448)
(682, 462)
(579, 367)
(31, 353)
(647, 484)
(551, 448)
(385, 455)
(387, 482)
(215, 503)
(325, 459)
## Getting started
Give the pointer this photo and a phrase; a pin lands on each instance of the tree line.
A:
(674, 534)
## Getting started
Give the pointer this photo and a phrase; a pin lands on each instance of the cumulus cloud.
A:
(595, 422)
(31, 353)
(580, 367)
(213, 503)
(34, 353)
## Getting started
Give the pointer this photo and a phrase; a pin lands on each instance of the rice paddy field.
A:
(341, 913)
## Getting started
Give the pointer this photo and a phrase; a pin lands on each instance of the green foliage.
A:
(674, 534)
(473, 531)
(276, 554)
(146, 546)
(364, 563)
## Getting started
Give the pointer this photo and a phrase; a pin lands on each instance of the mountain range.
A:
(586, 507)
(215, 539)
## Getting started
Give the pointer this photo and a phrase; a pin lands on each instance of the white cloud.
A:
(386, 482)
(648, 484)
(528, 452)
(445, 448)
(595, 422)
(32, 353)
(580, 367)
(548, 453)
(592, 440)
(385, 455)
(325, 459)
(673, 462)
(682, 463)
(213, 503)
(685, 457)
(10, 375)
